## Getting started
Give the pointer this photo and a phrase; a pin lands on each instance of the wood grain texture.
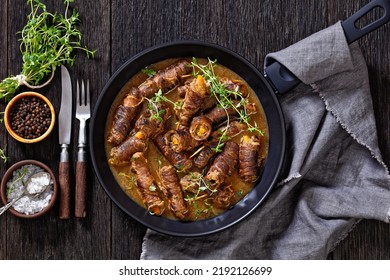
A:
(118, 29)
(3, 136)
(64, 183)
(368, 239)
(81, 190)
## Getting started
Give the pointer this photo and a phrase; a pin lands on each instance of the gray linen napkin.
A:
(335, 174)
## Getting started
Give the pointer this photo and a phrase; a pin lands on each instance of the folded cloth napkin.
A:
(335, 175)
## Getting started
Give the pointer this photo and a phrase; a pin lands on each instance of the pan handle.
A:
(353, 33)
(280, 78)
(283, 80)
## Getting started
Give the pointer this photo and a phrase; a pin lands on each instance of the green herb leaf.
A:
(130, 179)
(224, 96)
(47, 41)
(149, 72)
(3, 155)
(154, 106)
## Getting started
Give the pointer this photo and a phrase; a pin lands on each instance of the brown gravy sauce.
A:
(198, 209)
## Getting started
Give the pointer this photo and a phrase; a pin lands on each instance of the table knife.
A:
(64, 133)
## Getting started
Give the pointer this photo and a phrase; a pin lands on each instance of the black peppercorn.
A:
(30, 117)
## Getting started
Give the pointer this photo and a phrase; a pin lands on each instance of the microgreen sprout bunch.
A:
(47, 41)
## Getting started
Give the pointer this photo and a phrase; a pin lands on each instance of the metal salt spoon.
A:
(25, 192)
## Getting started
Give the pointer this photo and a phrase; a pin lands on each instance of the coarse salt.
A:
(38, 182)
(29, 204)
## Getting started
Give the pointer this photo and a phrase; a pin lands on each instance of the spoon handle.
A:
(8, 205)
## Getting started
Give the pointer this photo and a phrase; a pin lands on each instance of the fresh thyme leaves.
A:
(131, 180)
(3, 155)
(221, 140)
(224, 97)
(20, 176)
(160, 97)
(239, 192)
(207, 208)
(201, 187)
(47, 41)
(8, 87)
(154, 106)
(210, 207)
(149, 72)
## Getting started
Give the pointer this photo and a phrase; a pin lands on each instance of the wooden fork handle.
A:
(81, 185)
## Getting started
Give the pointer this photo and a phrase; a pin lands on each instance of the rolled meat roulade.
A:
(146, 185)
(170, 186)
(249, 158)
(223, 165)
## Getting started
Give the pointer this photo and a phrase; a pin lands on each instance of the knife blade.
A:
(64, 133)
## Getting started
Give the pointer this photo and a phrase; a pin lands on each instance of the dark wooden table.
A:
(119, 29)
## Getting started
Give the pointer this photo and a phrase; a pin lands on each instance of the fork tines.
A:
(83, 99)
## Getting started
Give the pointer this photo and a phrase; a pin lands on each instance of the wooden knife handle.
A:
(64, 211)
(81, 189)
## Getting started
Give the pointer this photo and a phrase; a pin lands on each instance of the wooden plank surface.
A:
(3, 73)
(368, 239)
(119, 29)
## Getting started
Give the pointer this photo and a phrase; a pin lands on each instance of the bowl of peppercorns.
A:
(29, 117)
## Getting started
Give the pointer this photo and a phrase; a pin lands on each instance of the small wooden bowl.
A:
(7, 120)
(9, 175)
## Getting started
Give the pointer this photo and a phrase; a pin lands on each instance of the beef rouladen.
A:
(223, 165)
(189, 141)
(163, 80)
(147, 126)
(171, 188)
(124, 115)
(146, 185)
(249, 158)
(209, 148)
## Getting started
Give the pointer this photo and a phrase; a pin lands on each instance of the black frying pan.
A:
(279, 79)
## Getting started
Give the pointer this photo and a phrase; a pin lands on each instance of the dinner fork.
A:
(83, 113)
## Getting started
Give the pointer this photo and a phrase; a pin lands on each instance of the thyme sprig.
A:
(3, 155)
(209, 207)
(47, 41)
(224, 96)
(154, 106)
(131, 180)
(20, 173)
(221, 140)
(202, 186)
(148, 71)
(161, 98)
